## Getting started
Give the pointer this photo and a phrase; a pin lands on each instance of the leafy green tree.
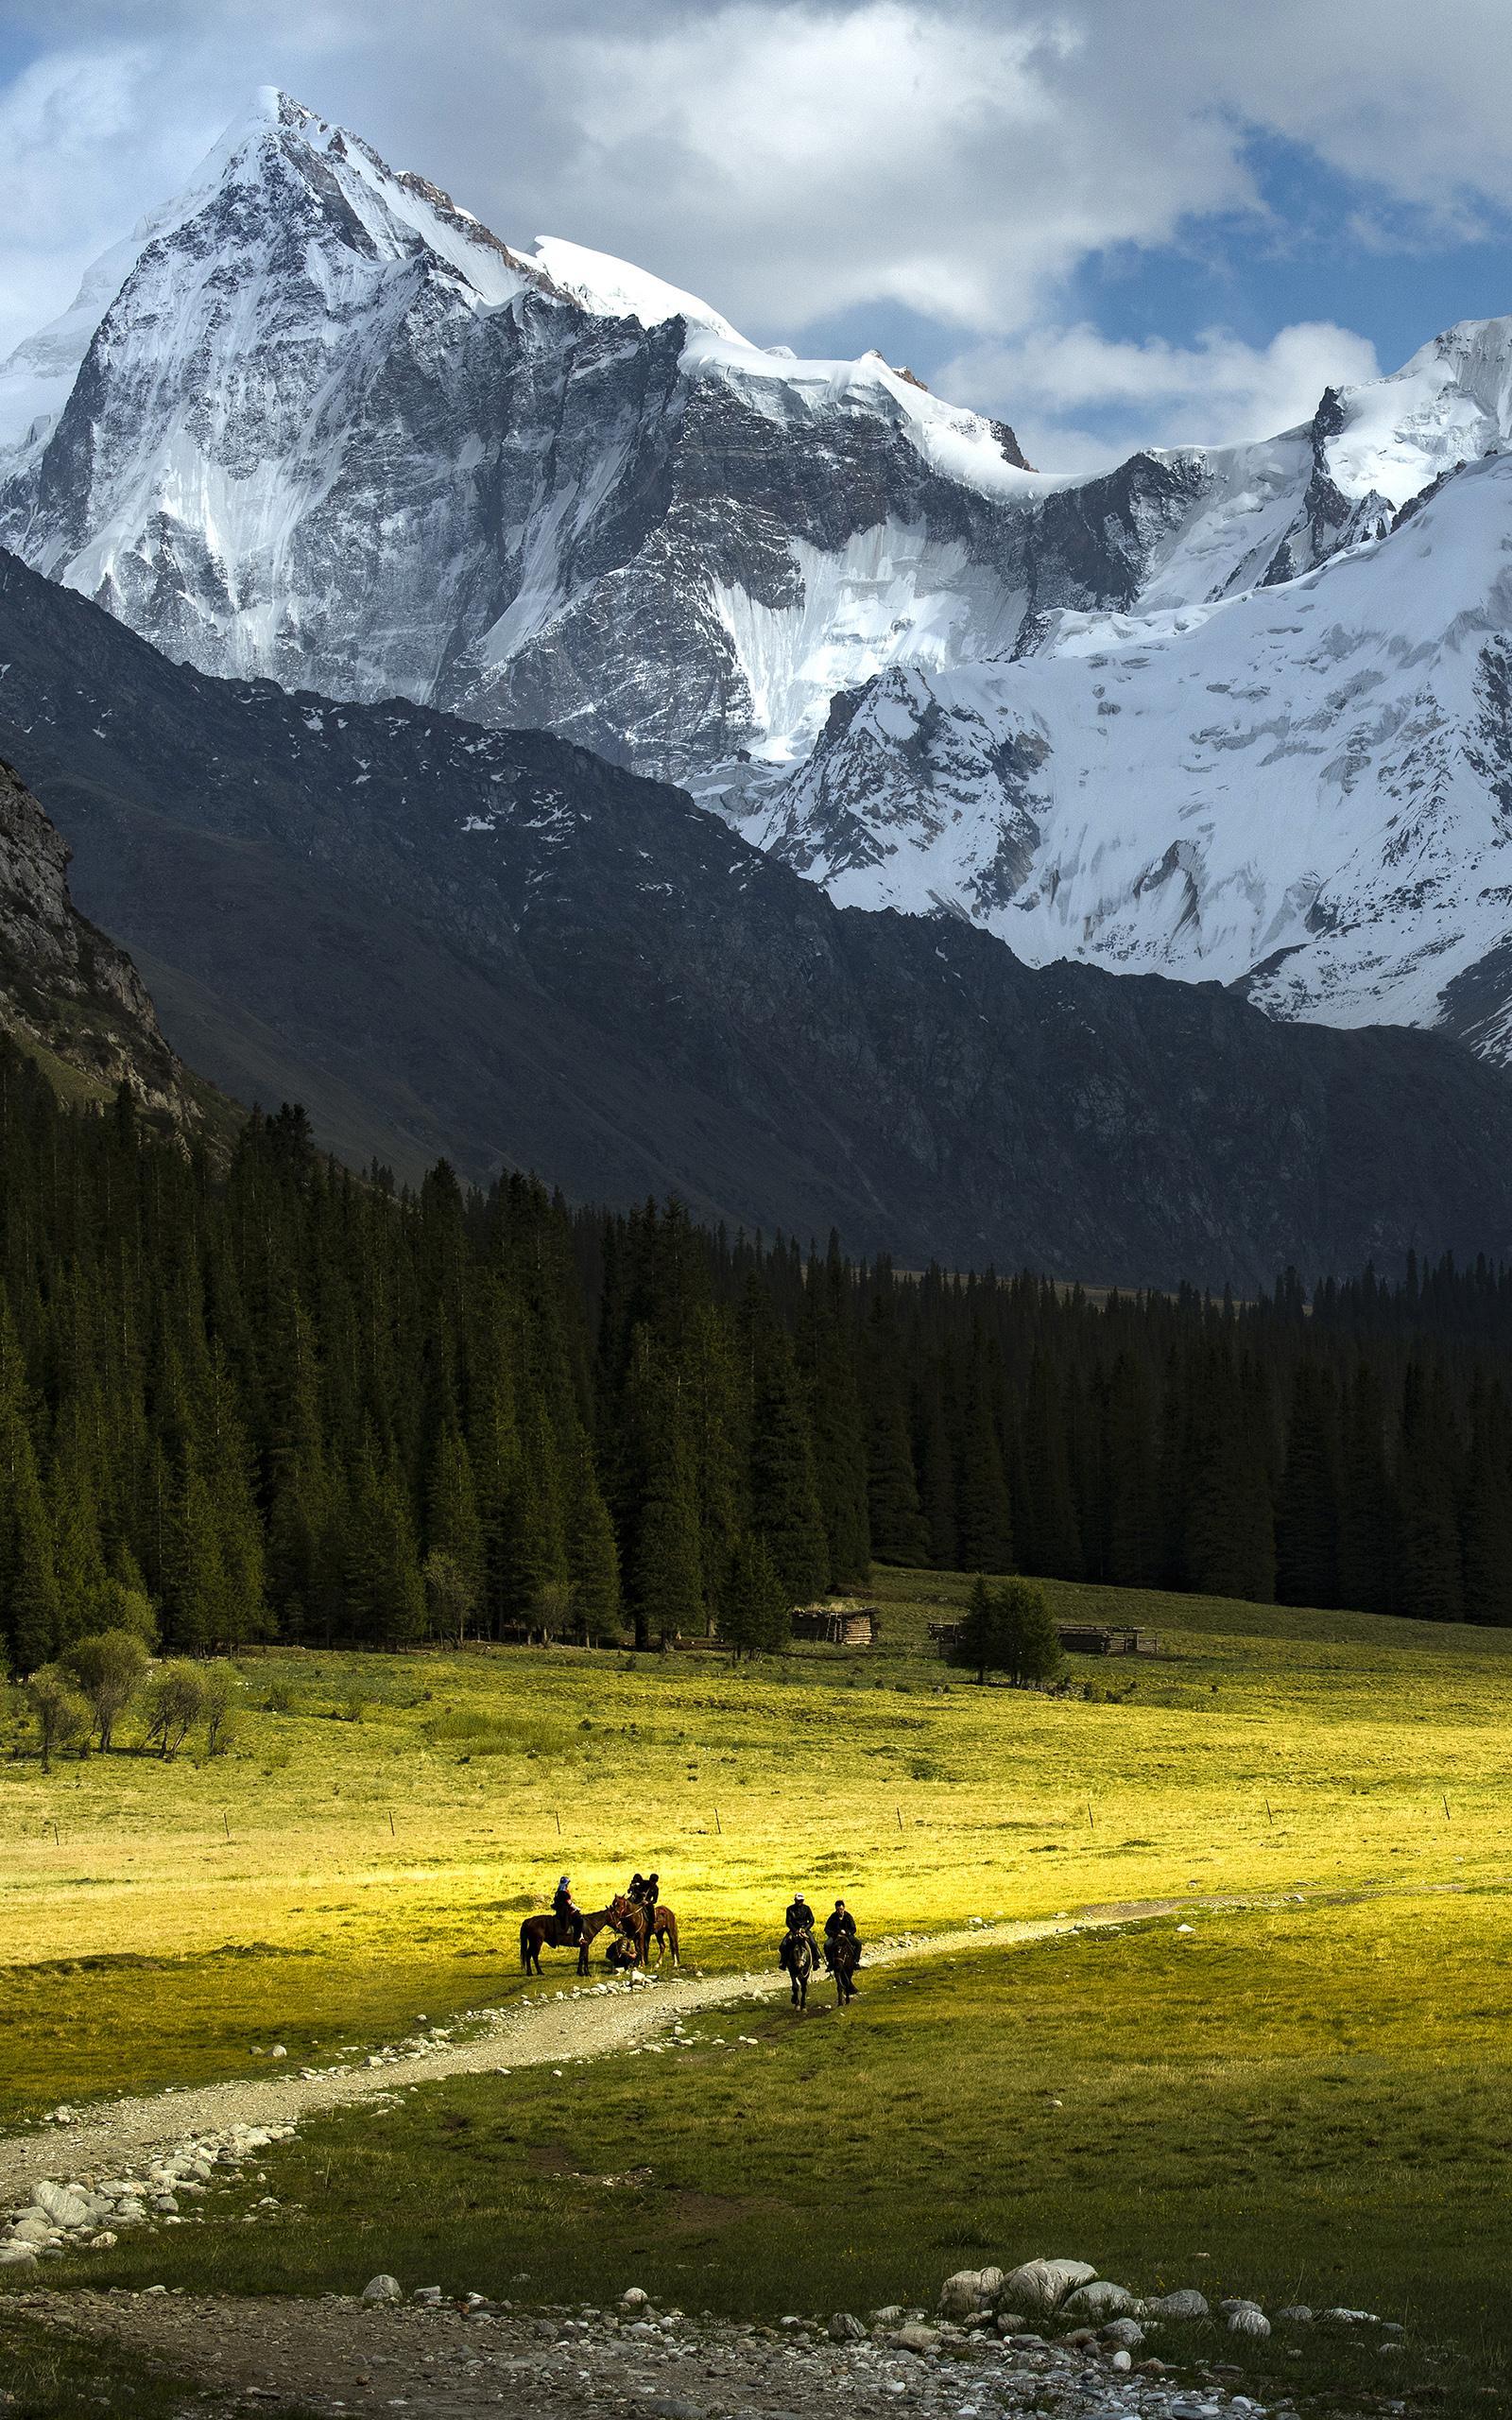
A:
(107, 1669)
(63, 1716)
(451, 1596)
(175, 1702)
(220, 1700)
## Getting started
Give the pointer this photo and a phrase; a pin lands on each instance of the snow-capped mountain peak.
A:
(1222, 711)
(616, 290)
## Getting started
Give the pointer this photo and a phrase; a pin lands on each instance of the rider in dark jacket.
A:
(644, 1891)
(800, 1920)
(564, 1911)
(841, 1923)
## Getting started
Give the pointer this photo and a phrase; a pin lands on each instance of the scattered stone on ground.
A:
(448, 2359)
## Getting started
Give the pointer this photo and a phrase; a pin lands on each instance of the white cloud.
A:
(1214, 392)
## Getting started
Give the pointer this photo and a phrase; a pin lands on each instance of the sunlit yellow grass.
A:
(375, 1867)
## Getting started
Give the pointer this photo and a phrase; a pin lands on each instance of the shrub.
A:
(219, 1707)
(175, 1700)
(107, 1669)
(64, 1719)
(283, 1697)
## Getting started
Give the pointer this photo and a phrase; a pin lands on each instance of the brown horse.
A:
(547, 1932)
(664, 1934)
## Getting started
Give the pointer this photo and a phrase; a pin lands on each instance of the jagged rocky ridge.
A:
(69, 996)
(315, 422)
(497, 945)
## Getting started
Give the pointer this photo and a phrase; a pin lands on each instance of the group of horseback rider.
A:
(839, 1925)
(644, 1896)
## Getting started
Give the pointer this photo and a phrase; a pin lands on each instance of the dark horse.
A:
(548, 1932)
(843, 1956)
(795, 1957)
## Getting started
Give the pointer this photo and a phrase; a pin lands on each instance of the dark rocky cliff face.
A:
(66, 992)
(496, 945)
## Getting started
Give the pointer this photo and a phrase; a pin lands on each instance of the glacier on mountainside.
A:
(1304, 790)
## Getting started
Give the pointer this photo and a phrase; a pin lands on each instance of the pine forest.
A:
(265, 1398)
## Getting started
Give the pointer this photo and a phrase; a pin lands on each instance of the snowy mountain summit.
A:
(1234, 713)
(314, 420)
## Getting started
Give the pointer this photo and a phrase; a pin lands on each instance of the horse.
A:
(843, 1956)
(664, 1934)
(795, 1957)
(547, 1932)
(620, 1915)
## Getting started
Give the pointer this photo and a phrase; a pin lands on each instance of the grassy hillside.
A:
(367, 1846)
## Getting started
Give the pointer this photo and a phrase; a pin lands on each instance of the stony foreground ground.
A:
(341, 2355)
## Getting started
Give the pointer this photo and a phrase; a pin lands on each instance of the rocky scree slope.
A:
(67, 994)
(498, 946)
(314, 420)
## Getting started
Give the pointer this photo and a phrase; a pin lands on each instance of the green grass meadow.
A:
(1307, 2096)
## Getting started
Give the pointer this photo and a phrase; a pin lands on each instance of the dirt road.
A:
(563, 2020)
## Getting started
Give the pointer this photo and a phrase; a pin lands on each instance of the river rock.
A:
(383, 2288)
(13, 2255)
(1041, 2286)
(1098, 2300)
(1186, 2303)
(635, 2298)
(1123, 2358)
(845, 2328)
(1249, 2321)
(65, 2204)
(1123, 2333)
(969, 2290)
(917, 2337)
(1296, 2314)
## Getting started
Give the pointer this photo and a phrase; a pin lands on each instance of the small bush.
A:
(64, 1719)
(283, 1697)
(219, 1707)
(175, 1702)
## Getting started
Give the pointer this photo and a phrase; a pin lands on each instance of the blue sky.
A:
(1112, 221)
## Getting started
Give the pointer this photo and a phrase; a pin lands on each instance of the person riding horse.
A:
(800, 1921)
(568, 1916)
(642, 1894)
(841, 1926)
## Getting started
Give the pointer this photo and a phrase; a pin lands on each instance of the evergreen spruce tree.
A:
(784, 1499)
(980, 1642)
(1488, 1512)
(835, 1424)
(983, 1521)
(755, 1613)
(1368, 1508)
(1429, 1493)
(1308, 1505)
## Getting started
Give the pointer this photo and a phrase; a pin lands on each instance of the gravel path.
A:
(559, 2022)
